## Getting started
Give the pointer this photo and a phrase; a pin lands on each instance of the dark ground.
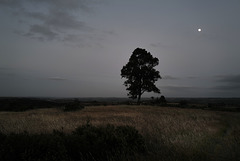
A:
(26, 103)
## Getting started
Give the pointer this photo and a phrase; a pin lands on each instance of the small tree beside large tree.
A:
(140, 74)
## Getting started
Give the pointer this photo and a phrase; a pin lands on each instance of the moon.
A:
(199, 30)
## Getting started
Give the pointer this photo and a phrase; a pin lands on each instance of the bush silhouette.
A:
(106, 140)
(87, 142)
(73, 106)
(183, 103)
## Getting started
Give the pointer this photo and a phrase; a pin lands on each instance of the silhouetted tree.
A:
(140, 74)
(162, 100)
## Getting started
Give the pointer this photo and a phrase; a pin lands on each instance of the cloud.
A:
(72, 38)
(44, 32)
(178, 88)
(55, 25)
(57, 78)
(59, 20)
(6, 72)
(229, 78)
(169, 77)
(228, 82)
(35, 15)
(51, 19)
(83, 5)
(228, 87)
(10, 3)
(192, 77)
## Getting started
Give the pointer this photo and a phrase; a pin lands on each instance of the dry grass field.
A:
(170, 133)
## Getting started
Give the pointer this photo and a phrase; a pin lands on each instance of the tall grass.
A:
(169, 133)
(86, 143)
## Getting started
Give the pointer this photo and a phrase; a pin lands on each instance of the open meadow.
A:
(169, 133)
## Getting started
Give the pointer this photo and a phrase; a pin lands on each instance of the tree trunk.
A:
(139, 98)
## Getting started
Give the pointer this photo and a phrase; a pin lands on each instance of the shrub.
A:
(183, 103)
(35, 147)
(110, 139)
(73, 106)
(87, 142)
(162, 100)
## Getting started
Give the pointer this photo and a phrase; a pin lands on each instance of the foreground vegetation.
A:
(168, 133)
(87, 142)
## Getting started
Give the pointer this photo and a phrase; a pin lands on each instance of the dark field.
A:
(181, 129)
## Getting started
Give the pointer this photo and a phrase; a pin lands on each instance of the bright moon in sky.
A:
(199, 30)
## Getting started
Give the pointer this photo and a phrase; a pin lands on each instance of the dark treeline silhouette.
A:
(22, 104)
(72, 104)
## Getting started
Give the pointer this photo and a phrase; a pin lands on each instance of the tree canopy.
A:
(140, 74)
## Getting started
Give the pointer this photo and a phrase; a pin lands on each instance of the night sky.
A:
(76, 48)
